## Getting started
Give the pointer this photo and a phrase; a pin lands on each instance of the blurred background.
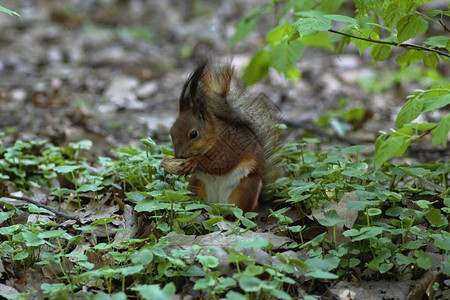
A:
(111, 71)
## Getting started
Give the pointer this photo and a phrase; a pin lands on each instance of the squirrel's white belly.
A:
(219, 188)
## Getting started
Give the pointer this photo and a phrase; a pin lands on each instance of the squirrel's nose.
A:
(177, 154)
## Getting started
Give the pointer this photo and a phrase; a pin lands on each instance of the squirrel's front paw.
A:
(188, 166)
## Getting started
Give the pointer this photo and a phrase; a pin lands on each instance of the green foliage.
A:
(8, 11)
(390, 206)
(377, 24)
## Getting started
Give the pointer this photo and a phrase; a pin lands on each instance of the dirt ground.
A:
(112, 71)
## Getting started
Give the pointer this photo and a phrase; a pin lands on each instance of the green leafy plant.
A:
(190, 244)
(379, 25)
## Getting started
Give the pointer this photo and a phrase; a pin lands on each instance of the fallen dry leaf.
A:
(6, 290)
(342, 210)
(128, 225)
(424, 286)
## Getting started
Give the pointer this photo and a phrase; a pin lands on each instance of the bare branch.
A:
(56, 212)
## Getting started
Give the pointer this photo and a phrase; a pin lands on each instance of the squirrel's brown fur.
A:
(227, 137)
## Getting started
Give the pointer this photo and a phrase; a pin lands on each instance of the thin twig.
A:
(404, 45)
(444, 26)
(426, 132)
(56, 212)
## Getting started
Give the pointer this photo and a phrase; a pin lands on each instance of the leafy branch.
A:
(444, 26)
(403, 45)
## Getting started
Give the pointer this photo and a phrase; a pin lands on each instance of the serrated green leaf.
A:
(258, 68)
(246, 25)
(344, 42)
(341, 18)
(284, 55)
(431, 60)
(439, 135)
(386, 149)
(421, 126)
(293, 74)
(409, 57)
(367, 34)
(311, 25)
(376, 25)
(278, 33)
(438, 41)
(364, 6)
(393, 11)
(381, 52)
(411, 110)
(330, 6)
(318, 39)
(434, 103)
(434, 12)
(411, 26)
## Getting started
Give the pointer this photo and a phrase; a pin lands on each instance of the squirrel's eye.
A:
(193, 134)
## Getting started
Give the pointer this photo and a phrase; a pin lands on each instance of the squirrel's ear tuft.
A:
(217, 79)
(191, 87)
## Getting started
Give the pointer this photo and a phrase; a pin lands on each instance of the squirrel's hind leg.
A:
(246, 195)
(197, 187)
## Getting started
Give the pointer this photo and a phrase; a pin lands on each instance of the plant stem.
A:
(403, 45)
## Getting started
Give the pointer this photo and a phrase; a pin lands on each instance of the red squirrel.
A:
(227, 137)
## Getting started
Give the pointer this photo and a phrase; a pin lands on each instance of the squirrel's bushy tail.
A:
(228, 100)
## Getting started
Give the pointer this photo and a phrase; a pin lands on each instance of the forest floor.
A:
(111, 72)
